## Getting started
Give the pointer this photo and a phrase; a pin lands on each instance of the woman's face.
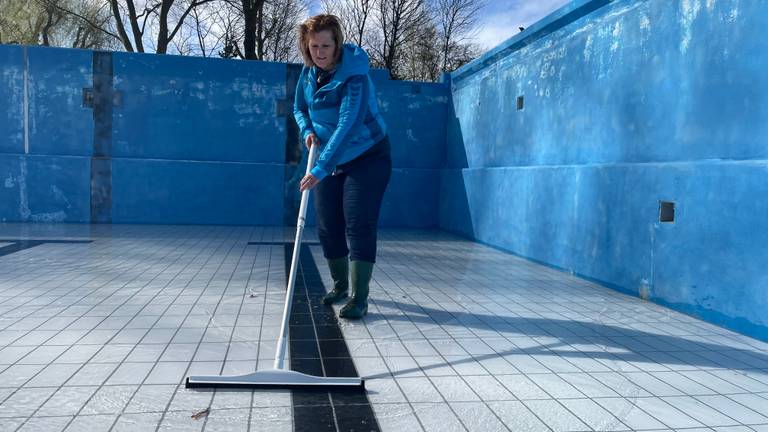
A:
(322, 49)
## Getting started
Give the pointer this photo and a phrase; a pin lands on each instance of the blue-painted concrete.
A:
(570, 12)
(179, 192)
(10, 190)
(12, 95)
(58, 189)
(44, 188)
(712, 261)
(626, 103)
(187, 108)
(197, 140)
(411, 199)
(415, 114)
(59, 124)
(613, 78)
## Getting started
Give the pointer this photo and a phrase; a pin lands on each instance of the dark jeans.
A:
(347, 204)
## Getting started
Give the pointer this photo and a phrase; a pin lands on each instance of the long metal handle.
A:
(280, 352)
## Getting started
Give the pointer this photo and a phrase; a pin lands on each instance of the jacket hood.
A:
(354, 61)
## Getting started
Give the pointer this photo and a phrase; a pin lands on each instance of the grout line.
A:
(202, 293)
(26, 100)
(85, 335)
(420, 280)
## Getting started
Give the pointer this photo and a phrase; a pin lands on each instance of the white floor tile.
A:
(554, 415)
(437, 417)
(114, 327)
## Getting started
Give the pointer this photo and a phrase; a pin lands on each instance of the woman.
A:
(336, 109)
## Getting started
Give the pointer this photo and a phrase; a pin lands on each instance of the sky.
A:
(500, 19)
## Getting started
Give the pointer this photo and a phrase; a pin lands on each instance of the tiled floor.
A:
(100, 336)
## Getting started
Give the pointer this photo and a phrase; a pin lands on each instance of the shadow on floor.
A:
(621, 344)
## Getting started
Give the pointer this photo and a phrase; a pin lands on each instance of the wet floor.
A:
(100, 325)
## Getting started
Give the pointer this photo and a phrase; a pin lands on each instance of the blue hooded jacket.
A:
(342, 114)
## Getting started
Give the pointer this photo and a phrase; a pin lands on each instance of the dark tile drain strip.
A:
(17, 245)
(317, 347)
(281, 243)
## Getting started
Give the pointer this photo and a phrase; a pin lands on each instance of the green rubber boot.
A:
(340, 274)
(357, 306)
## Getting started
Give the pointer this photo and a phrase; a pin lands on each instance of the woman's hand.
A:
(308, 182)
(311, 140)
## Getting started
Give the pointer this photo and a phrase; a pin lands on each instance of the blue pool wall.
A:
(184, 140)
(626, 104)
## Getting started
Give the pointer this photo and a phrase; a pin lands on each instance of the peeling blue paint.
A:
(12, 95)
(185, 108)
(191, 140)
(415, 114)
(59, 124)
(628, 104)
(44, 188)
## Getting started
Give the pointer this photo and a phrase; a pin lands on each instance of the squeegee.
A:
(279, 376)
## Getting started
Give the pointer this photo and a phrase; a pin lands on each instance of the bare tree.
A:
(186, 41)
(456, 20)
(400, 22)
(414, 39)
(75, 23)
(52, 19)
(461, 54)
(92, 30)
(155, 25)
(20, 22)
(205, 32)
(252, 11)
(279, 23)
(229, 18)
(420, 61)
(267, 32)
(356, 15)
(137, 31)
(275, 30)
(407, 37)
(163, 11)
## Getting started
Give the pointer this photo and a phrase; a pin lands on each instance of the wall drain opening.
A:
(666, 211)
(520, 102)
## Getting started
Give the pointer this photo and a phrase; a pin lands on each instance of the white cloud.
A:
(502, 20)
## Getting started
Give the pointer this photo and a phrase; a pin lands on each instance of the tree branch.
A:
(192, 5)
(120, 28)
(134, 20)
(86, 20)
